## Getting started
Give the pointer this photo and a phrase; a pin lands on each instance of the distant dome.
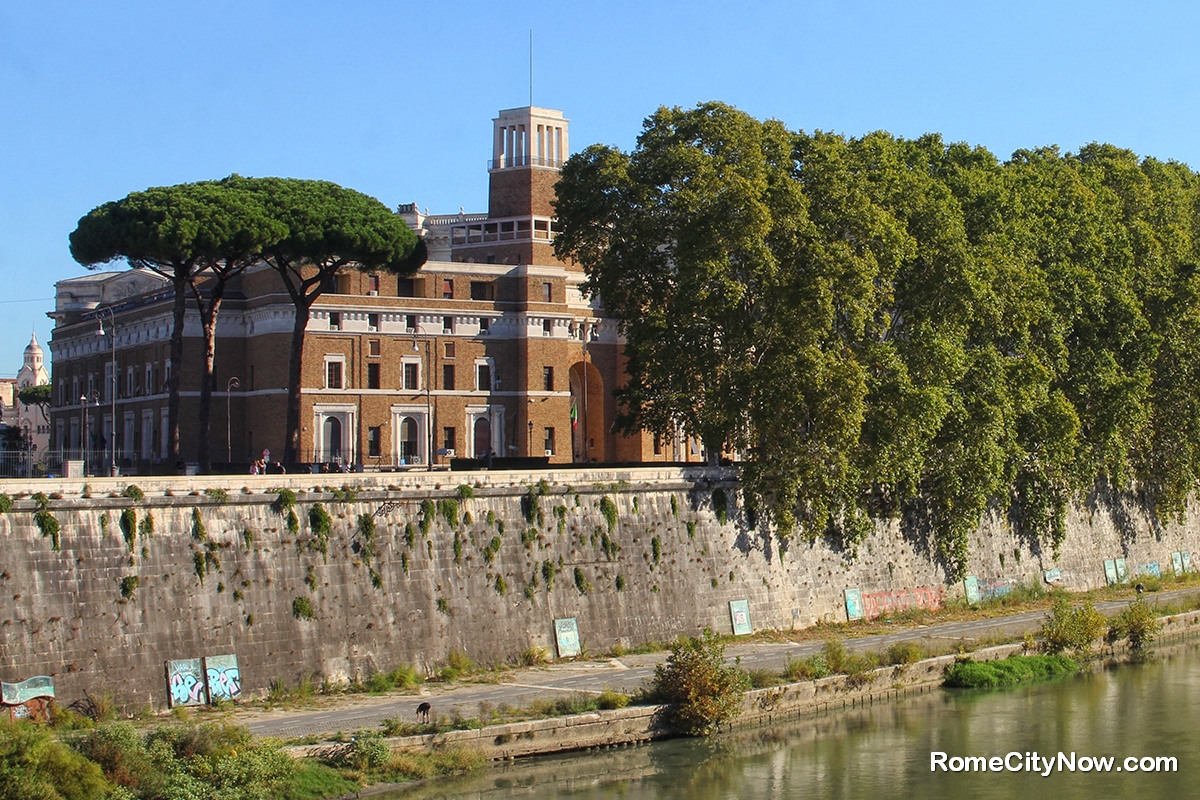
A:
(33, 348)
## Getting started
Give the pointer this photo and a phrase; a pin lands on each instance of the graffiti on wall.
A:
(878, 603)
(223, 677)
(28, 699)
(185, 682)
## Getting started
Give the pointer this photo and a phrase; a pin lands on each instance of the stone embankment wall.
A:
(634, 554)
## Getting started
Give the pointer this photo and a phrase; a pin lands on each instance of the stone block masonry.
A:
(383, 569)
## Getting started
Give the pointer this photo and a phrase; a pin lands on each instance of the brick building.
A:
(490, 349)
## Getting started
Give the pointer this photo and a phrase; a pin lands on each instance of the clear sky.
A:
(395, 99)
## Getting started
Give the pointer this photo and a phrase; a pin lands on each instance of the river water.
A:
(884, 751)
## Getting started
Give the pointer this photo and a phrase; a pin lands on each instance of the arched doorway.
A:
(331, 439)
(409, 441)
(589, 437)
(483, 437)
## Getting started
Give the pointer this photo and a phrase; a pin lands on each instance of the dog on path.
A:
(423, 712)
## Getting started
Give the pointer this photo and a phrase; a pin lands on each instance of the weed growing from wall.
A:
(6, 503)
(443, 607)
(104, 523)
(134, 493)
(219, 495)
(429, 548)
(310, 577)
(656, 550)
(500, 586)
(635, 504)
(620, 583)
(528, 537)
(491, 517)
(492, 548)
(691, 529)
(581, 582)
(531, 586)
(609, 546)
(199, 566)
(346, 494)
(609, 509)
(376, 579)
(549, 571)
(129, 585)
(285, 500)
(720, 505)
(146, 528)
(428, 511)
(404, 562)
(322, 525)
(248, 539)
(410, 534)
(458, 549)
(128, 524)
(560, 515)
(199, 532)
(448, 507)
(674, 507)
(464, 492)
(302, 609)
(48, 524)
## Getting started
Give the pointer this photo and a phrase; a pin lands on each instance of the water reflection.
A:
(883, 751)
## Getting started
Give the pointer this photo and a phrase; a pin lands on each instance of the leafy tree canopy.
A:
(892, 327)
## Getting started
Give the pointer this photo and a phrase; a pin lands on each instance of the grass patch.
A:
(1009, 671)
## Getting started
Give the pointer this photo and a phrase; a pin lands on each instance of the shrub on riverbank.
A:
(703, 690)
(1071, 628)
(1009, 671)
(1138, 624)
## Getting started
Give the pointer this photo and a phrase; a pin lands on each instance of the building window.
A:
(373, 284)
(373, 376)
(412, 375)
(448, 288)
(406, 287)
(130, 383)
(449, 439)
(335, 320)
(449, 350)
(447, 324)
(374, 438)
(485, 324)
(372, 322)
(547, 327)
(657, 445)
(549, 441)
(148, 386)
(483, 377)
(333, 374)
(483, 290)
(342, 281)
(448, 377)
(373, 347)
(548, 379)
(547, 288)
(410, 322)
(408, 440)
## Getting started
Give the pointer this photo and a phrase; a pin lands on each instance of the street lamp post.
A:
(112, 386)
(229, 387)
(83, 438)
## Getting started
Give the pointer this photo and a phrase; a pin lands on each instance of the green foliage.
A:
(704, 690)
(443, 607)
(34, 765)
(609, 509)
(530, 503)
(549, 571)
(129, 586)
(146, 526)
(134, 493)
(900, 328)
(581, 582)
(1009, 671)
(346, 494)
(560, 518)
(402, 677)
(219, 495)
(410, 534)
(48, 524)
(501, 586)
(128, 524)
(691, 529)
(674, 507)
(6, 503)
(529, 536)
(1071, 628)
(656, 549)
(404, 562)
(720, 503)
(366, 526)
(302, 608)
(199, 531)
(1138, 624)
(104, 523)
(610, 547)
(448, 507)
(428, 511)
(492, 548)
(464, 492)
(200, 566)
(310, 577)
(491, 517)
(248, 539)
(285, 501)
(321, 525)
(619, 583)
(458, 549)
(806, 669)
(366, 752)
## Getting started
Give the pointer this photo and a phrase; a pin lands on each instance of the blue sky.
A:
(395, 99)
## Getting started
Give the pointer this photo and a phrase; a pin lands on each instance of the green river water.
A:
(884, 751)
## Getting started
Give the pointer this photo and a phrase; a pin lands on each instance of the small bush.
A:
(1138, 624)
(35, 765)
(720, 505)
(146, 527)
(703, 689)
(128, 523)
(129, 585)
(762, 678)
(134, 493)
(322, 526)
(219, 495)
(1073, 629)
(609, 700)
(465, 492)
(533, 656)
(285, 500)
(905, 653)
(6, 503)
(449, 509)
(835, 655)
(581, 582)
(549, 571)
(48, 524)
(691, 529)
(806, 669)
(620, 583)
(443, 607)
(428, 512)
(674, 507)
(199, 531)
(609, 509)
(501, 586)
(656, 549)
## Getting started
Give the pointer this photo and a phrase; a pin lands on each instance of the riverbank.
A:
(636, 725)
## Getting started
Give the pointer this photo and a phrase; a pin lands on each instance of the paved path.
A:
(520, 687)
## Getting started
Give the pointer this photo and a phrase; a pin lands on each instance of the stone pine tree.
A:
(329, 228)
(198, 236)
